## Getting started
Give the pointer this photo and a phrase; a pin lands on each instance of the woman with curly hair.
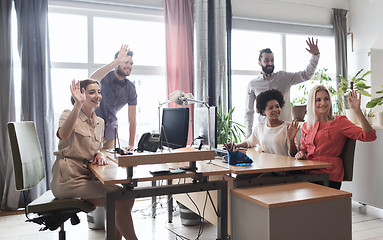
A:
(275, 135)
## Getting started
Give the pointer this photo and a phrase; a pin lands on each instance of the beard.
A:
(268, 69)
(121, 73)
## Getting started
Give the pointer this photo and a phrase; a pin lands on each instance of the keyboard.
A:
(160, 172)
(220, 152)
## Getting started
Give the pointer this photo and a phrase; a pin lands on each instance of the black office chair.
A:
(347, 157)
(29, 170)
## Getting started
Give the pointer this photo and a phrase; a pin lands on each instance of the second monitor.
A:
(175, 127)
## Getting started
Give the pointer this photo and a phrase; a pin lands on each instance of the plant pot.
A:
(380, 118)
(298, 112)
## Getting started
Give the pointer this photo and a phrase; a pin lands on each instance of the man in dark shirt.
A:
(117, 91)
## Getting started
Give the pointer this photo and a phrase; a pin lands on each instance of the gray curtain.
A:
(339, 22)
(8, 195)
(36, 95)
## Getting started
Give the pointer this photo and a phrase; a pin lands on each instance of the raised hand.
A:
(77, 93)
(354, 100)
(313, 47)
(122, 55)
(292, 129)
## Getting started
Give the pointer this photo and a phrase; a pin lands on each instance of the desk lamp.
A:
(181, 98)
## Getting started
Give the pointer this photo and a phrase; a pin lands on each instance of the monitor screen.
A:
(175, 127)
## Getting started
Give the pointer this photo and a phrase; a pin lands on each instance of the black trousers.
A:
(335, 185)
(331, 184)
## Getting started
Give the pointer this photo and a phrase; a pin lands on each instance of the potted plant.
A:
(357, 83)
(299, 104)
(227, 129)
(377, 101)
(369, 114)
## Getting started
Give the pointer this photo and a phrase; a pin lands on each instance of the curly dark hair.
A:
(84, 84)
(267, 95)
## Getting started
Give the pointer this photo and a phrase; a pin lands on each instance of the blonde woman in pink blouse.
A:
(324, 135)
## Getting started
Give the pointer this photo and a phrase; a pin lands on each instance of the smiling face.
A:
(267, 63)
(322, 104)
(272, 110)
(125, 69)
(93, 95)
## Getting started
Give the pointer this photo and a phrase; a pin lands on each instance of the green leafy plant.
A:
(300, 100)
(227, 129)
(375, 101)
(356, 83)
(321, 77)
(324, 79)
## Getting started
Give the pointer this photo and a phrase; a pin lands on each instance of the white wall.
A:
(295, 11)
(364, 22)
(365, 19)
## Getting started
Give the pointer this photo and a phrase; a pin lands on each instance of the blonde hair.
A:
(311, 116)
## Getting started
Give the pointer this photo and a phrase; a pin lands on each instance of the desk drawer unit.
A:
(290, 211)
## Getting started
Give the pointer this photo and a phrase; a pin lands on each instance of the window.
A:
(82, 40)
(68, 38)
(16, 65)
(290, 55)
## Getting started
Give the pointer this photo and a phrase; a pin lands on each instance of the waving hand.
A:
(313, 47)
(77, 93)
(122, 55)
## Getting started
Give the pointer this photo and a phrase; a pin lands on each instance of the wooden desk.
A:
(113, 174)
(267, 162)
(296, 211)
(289, 194)
(262, 163)
(186, 154)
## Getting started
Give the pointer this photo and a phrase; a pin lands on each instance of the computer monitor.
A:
(175, 127)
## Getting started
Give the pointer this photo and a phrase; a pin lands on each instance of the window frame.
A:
(93, 10)
(281, 28)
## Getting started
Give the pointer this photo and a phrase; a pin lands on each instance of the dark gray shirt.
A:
(115, 95)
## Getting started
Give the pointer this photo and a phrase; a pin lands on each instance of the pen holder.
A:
(238, 158)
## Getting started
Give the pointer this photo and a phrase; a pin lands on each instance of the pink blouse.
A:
(325, 140)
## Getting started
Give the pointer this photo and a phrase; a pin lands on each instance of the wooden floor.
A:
(367, 223)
